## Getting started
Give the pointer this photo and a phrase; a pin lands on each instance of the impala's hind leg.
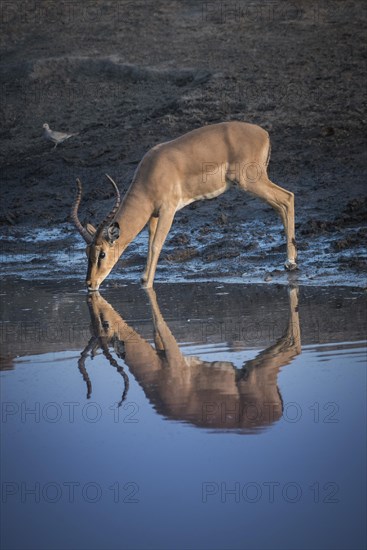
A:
(283, 202)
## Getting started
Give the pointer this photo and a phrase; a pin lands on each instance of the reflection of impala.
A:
(199, 165)
(216, 394)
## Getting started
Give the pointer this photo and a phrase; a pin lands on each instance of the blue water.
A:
(175, 466)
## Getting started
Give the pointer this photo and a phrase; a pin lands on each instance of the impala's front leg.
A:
(164, 224)
(152, 229)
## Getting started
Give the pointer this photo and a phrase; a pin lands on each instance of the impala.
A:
(201, 164)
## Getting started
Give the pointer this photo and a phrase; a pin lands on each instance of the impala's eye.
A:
(102, 255)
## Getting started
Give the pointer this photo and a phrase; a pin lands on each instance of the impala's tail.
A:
(269, 153)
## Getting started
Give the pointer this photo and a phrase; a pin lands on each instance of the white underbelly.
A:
(184, 202)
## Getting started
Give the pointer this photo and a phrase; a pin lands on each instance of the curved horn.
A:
(114, 363)
(81, 365)
(111, 215)
(74, 214)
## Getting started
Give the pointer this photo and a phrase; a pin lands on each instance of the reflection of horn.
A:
(94, 343)
(114, 363)
(100, 328)
(81, 365)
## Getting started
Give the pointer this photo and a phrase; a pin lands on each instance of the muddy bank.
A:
(128, 76)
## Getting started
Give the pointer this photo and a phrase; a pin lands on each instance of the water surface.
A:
(199, 416)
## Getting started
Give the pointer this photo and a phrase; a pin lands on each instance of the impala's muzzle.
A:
(90, 287)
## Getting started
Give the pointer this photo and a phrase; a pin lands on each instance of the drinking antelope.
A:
(201, 164)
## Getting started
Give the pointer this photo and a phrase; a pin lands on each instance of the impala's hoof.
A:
(144, 282)
(290, 265)
(147, 286)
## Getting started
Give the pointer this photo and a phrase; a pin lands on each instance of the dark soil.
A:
(128, 75)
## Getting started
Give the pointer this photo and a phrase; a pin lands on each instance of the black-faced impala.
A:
(201, 164)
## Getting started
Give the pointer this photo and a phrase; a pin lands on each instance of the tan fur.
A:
(200, 164)
(212, 394)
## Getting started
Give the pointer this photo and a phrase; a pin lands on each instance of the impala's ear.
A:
(91, 229)
(113, 232)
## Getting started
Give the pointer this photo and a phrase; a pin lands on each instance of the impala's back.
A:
(203, 163)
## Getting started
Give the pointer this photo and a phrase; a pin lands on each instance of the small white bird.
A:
(55, 137)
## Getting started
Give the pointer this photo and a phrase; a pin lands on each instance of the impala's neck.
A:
(132, 216)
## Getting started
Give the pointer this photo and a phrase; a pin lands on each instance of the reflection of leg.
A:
(152, 229)
(243, 374)
(285, 348)
(163, 337)
(156, 315)
(294, 331)
(164, 225)
(119, 348)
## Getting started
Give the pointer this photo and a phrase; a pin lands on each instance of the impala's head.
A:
(102, 243)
